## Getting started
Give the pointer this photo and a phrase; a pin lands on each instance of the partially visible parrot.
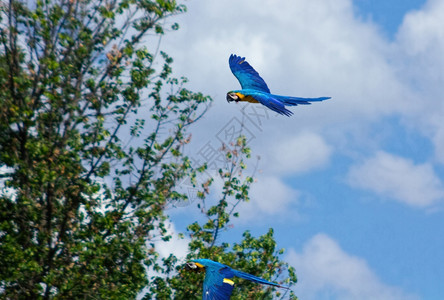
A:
(217, 285)
(255, 90)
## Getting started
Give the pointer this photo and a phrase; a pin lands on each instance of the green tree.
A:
(257, 256)
(92, 132)
(83, 201)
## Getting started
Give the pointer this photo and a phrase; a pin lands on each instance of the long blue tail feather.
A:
(256, 279)
(293, 101)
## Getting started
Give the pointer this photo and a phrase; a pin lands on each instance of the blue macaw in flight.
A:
(217, 284)
(255, 90)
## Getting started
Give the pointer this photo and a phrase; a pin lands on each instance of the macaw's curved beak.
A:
(195, 267)
(232, 97)
(190, 266)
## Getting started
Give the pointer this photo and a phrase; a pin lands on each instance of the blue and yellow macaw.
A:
(217, 284)
(255, 90)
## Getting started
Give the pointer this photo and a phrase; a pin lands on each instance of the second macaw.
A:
(255, 90)
(217, 284)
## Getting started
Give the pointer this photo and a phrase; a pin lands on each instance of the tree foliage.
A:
(257, 256)
(92, 132)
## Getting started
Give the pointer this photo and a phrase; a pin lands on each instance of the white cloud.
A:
(420, 44)
(5, 191)
(398, 178)
(301, 48)
(176, 245)
(320, 48)
(268, 196)
(438, 140)
(422, 33)
(325, 271)
(301, 153)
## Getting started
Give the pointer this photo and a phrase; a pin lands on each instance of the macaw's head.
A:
(194, 266)
(232, 96)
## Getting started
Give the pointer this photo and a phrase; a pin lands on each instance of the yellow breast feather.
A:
(250, 99)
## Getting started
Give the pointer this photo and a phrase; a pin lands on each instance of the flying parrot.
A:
(217, 284)
(255, 90)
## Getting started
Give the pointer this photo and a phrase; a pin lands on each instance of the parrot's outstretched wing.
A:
(272, 103)
(247, 76)
(217, 286)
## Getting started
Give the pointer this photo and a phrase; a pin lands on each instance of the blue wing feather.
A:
(247, 76)
(214, 286)
(218, 292)
(270, 101)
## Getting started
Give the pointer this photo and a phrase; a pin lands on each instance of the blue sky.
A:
(353, 186)
(388, 15)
